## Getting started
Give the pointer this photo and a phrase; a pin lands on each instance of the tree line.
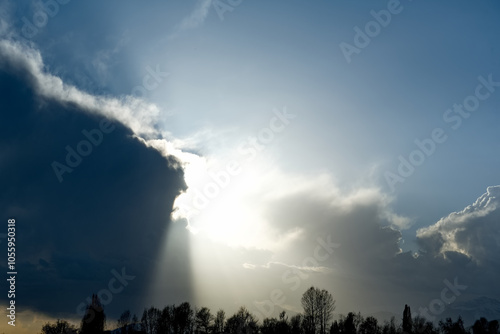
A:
(318, 306)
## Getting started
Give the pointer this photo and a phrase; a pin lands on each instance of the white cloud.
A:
(474, 231)
(249, 266)
(136, 114)
(307, 269)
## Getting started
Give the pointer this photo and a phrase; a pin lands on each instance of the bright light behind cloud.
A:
(209, 192)
(233, 209)
(227, 186)
(224, 206)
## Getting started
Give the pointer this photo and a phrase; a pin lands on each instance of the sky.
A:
(235, 152)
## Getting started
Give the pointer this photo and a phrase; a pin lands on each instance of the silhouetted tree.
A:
(350, 323)
(407, 320)
(326, 307)
(124, 321)
(242, 322)
(422, 326)
(269, 326)
(369, 326)
(150, 319)
(183, 319)
(450, 327)
(165, 321)
(318, 308)
(219, 322)
(282, 326)
(296, 324)
(203, 319)
(94, 319)
(483, 326)
(493, 327)
(335, 328)
(389, 327)
(309, 304)
(480, 326)
(60, 327)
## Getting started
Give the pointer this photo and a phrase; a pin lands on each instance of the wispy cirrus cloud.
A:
(197, 16)
(195, 19)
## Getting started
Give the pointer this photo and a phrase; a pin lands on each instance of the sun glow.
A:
(222, 204)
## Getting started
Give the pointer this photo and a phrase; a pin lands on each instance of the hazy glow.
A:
(225, 212)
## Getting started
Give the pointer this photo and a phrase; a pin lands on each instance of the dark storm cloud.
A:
(110, 212)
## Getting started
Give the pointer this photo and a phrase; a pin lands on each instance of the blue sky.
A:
(211, 81)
